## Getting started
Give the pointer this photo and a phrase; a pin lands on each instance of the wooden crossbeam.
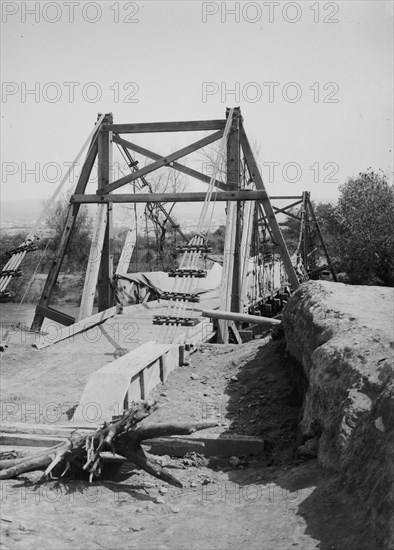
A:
(283, 210)
(181, 126)
(197, 196)
(163, 161)
(175, 165)
(287, 214)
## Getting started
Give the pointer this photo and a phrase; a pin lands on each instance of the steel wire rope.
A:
(16, 259)
(190, 258)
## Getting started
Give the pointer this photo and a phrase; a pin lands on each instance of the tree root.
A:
(122, 436)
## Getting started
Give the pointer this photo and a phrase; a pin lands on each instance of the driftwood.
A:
(81, 451)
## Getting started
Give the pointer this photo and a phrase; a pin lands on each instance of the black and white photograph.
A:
(197, 275)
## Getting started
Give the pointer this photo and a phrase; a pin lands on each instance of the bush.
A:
(360, 229)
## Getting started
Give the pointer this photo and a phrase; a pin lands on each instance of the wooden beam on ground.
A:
(30, 440)
(54, 430)
(241, 317)
(80, 326)
(177, 126)
(116, 384)
(92, 270)
(208, 445)
(175, 165)
(269, 211)
(163, 161)
(194, 196)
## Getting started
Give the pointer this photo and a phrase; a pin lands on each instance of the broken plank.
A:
(85, 324)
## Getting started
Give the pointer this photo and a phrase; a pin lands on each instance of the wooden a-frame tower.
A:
(240, 208)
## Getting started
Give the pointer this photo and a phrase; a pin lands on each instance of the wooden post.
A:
(105, 289)
(233, 183)
(100, 250)
(269, 211)
(105, 165)
(228, 271)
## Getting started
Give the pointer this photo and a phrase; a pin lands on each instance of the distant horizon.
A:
(31, 209)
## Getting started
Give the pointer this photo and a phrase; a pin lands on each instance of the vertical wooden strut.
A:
(269, 212)
(105, 166)
(230, 297)
(228, 270)
(233, 184)
(99, 268)
(311, 210)
(72, 213)
(246, 242)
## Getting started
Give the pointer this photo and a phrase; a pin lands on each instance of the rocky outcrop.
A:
(343, 336)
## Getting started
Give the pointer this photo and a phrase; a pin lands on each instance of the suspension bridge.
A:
(182, 312)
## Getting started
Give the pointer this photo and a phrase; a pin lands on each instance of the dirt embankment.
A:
(343, 336)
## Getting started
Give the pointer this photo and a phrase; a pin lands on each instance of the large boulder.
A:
(343, 337)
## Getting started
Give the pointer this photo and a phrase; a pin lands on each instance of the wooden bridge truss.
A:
(241, 205)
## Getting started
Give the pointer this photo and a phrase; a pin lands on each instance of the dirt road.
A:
(275, 502)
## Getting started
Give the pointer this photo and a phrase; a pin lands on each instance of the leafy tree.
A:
(359, 230)
(363, 224)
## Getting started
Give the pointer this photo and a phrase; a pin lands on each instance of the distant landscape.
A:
(23, 213)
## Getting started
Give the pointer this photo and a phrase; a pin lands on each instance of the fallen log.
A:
(82, 450)
(241, 317)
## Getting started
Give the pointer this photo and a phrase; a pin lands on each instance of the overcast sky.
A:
(314, 83)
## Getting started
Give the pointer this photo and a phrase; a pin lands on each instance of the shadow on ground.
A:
(265, 401)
